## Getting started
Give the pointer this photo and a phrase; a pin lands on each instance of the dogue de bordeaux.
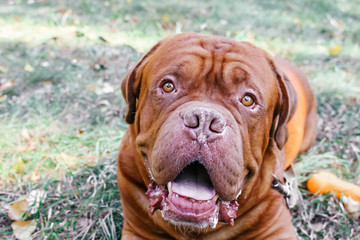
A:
(211, 121)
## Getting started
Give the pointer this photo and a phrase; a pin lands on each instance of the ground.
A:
(61, 110)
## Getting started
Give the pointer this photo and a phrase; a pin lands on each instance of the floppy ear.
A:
(285, 108)
(130, 85)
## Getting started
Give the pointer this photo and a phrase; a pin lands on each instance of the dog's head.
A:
(209, 115)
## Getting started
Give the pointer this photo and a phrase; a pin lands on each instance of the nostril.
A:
(217, 125)
(191, 120)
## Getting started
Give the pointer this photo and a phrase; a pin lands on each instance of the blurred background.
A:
(61, 109)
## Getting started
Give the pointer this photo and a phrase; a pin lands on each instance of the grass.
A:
(61, 64)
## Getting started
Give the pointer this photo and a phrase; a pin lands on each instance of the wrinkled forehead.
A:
(196, 56)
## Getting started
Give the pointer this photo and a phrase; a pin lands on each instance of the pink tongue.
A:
(194, 182)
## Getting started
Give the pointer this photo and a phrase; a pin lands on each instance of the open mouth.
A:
(191, 199)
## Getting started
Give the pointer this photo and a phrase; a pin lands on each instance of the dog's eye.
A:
(168, 87)
(247, 100)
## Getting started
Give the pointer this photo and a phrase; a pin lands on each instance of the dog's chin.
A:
(189, 212)
(204, 224)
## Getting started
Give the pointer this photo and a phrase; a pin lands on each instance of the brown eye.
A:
(168, 87)
(247, 100)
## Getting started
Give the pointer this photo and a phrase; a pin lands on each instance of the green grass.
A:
(61, 64)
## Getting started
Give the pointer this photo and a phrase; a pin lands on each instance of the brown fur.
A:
(211, 73)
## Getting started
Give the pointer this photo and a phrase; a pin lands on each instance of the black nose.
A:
(204, 124)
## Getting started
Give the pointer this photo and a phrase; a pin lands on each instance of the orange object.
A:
(325, 182)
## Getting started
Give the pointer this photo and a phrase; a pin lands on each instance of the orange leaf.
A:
(92, 88)
(134, 19)
(7, 85)
(35, 177)
(18, 209)
(335, 50)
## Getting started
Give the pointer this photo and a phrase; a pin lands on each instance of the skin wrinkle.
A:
(168, 110)
(177, 160)
(249, 155)
(176, 153)
(222, 177)
(180, 71)
(228, 168)
(241, 76)
(255, 152)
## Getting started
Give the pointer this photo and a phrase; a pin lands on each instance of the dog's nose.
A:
(204, 124)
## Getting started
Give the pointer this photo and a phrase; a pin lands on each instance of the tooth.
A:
(238, 194)
(192, 200)
(169, 188)
(216, 197)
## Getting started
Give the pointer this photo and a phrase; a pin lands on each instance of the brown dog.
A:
(209, 118)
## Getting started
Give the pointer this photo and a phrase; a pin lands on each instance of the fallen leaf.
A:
(335, 50)
(28, 68)
(45, 64)
(351, 206)
(61, 10)
(165, 18)
(67, 159)
(6, 85)
(104, 102)
(23, 229)
(3, 69)
(26, 133)
(92, 88)
(28, 141)
(76, 21)
(83, 223)
(17, 19)
(68, 12)
(35, 177)
(250, 36)
(35, 198)
(18, 166)
(297, 22)
(203, 26)
(108, 88)
(18, 208)
(223, 22)
(134, 20)
(47, 83)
